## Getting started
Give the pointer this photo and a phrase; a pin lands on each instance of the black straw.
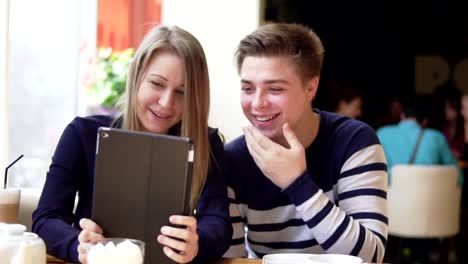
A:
(6, 170)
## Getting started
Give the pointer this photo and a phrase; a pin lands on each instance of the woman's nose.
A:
(166, 99)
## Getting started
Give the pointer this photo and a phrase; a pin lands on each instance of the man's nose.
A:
(259, 100)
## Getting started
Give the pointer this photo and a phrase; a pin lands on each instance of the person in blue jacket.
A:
(399, 141)
(168, 93)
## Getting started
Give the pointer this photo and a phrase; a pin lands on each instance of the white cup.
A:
(9, 205)
(289, 258)
(116, 251)
(336, 259)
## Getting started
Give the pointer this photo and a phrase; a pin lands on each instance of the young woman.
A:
(168, 93)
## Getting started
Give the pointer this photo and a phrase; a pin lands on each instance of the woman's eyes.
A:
(157, 84)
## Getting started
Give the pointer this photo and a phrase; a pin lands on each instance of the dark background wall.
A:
(374, 44)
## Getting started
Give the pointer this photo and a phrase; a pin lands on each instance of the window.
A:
(51, 42)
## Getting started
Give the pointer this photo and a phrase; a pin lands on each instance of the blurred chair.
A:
(28, 203)
(424, 202)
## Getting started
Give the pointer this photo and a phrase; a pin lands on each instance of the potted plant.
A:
(110, 78)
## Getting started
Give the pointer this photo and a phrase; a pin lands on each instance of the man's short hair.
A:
(295, 41)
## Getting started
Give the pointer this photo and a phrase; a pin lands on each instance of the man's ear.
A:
(311, 87)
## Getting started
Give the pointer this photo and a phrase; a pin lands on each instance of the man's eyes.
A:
(276, 89)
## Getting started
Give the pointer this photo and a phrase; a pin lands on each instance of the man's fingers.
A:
(291, 137)
(90, 225)
(264, 142)
(252, 145)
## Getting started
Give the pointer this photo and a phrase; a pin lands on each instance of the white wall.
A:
(219, 26)
(4, 8)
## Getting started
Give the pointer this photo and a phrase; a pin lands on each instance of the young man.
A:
(300, 180)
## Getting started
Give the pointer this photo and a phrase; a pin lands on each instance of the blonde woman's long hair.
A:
(194, 123)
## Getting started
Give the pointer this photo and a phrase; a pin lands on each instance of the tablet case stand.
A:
(140, 180)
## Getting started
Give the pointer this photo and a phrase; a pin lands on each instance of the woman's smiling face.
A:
(160, 97)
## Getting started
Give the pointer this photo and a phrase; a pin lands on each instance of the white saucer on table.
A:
(302, 258)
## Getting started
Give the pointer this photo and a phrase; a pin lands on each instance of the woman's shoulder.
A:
(215, 135)
(94, 121)
(89, 125)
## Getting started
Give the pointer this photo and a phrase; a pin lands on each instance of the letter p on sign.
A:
(430, 72)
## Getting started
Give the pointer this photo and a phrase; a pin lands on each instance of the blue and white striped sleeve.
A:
(356, 223)
(237, 248)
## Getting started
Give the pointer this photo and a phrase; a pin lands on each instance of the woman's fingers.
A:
(177, 257)
(189, 221)
(87, 236)
(183, 234)
(82, 253)
(176, 244)
(90, 225)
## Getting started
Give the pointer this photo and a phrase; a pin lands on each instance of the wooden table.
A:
(239, 261)
(52, 260)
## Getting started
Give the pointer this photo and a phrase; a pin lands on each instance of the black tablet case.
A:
(140, 180)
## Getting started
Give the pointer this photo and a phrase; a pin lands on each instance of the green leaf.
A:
(110, 76)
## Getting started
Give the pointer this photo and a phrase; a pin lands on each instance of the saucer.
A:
(303, 258)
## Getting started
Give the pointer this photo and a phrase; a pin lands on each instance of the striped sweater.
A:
(338, 205)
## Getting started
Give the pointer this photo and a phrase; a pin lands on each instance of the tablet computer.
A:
(140, 180)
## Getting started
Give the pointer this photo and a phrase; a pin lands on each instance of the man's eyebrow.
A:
(267, 81)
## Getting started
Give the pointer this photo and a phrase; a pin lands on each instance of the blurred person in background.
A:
(392, 114)
(454, 126)
(462, 238)
(411, 142)
(347, 99)
(447, 117)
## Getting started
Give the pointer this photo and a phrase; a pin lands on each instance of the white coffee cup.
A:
(336, 259)
(9, 205)
(289, 258)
